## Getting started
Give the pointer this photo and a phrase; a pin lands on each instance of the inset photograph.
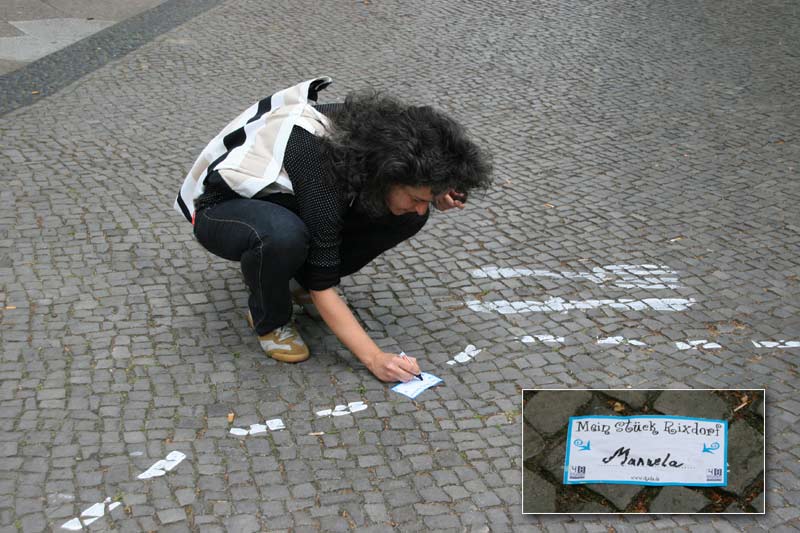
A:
(675, 451)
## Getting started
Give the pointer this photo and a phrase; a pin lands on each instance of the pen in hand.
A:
(404, 356)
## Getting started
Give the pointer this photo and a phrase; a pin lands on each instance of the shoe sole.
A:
(286, 358)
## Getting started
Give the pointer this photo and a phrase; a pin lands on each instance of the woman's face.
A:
(404, 199)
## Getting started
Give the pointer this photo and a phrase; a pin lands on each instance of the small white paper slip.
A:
(241, 432)
(173, 459)
(163, 466)
(780, 344)
(340, 410)
(275, 424)
(91, 515)
(95, 511)
(73, 525)
(647, 450)
(413, 388)
(527, 339)
(356, 406)
(255, 429)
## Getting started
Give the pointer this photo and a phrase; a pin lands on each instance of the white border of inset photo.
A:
(561, 485)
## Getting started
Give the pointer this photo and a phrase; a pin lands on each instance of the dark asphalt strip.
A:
(48, 75)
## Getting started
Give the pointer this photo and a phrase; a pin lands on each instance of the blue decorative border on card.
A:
(723, 483)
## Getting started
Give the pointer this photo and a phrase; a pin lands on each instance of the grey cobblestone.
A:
(678, 500)
(538, 495)
(702, 404)
(636, 399)
(746, 458)
(619, 495)
(549, 411)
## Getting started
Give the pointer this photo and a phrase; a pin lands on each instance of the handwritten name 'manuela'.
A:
(623, 455)
(670, 427)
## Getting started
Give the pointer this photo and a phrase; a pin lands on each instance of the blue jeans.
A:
(271, 244)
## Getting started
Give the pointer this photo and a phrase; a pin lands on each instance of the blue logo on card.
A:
(583, 447)
(710, 449)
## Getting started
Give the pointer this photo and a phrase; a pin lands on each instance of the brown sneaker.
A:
(283, 344)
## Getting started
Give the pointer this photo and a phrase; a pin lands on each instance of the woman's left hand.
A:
(445, 201)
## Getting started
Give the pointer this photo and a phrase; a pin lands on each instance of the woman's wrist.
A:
(369, 356)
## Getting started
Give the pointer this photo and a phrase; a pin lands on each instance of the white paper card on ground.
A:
(464, 357)
(413, 388)
(356, 406)
(95, 511)
(163, 466)
(647, 450)
(73, 525)
(341, 410)
(91, 515)
(275, 424)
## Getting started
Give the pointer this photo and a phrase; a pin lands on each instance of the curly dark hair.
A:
(376, 141)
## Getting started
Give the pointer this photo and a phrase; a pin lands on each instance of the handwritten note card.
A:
(413, 388)
(647, 450)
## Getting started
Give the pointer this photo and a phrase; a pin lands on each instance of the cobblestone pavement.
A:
(24, 85)
(31, 29)
(546, 417)
(625, 134)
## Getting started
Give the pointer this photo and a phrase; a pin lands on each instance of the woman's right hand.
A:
(391, 367)
(449, 200)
